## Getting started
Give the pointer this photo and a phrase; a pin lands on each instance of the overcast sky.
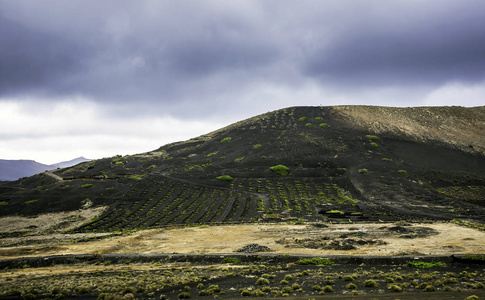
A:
(98, 78)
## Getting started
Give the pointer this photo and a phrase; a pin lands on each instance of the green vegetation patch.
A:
(281, 170)
(3, 203)
(87, 185)
(137, 178)
(471, 192)
(323, 125)
(372, 137)
(240, 159)
(224, 178)
(256, 146)
(225, 140)
(31, 202)
(478, 257)
(201, 167)
(302, 119)
(212, 153)
(403, 172)
(336, 212)
(232, 260)
(425, 265)
(314, 261)
(318, 118)
(479, 226)
(375, 145)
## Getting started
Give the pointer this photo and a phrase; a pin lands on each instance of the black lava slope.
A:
(329, 168)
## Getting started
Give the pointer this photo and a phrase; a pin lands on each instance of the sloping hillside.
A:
(311, 163)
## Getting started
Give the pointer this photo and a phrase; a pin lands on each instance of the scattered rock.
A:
(253, 248)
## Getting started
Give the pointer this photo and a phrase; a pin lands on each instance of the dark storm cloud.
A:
(194, 55)
(410, 45)
(31, 59)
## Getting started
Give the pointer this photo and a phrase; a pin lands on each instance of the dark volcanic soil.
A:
(236, 276)
(344, 163)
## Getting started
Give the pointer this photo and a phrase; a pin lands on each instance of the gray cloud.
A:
(419, 45)
(193, 56)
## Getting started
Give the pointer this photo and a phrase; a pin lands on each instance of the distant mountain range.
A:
(14, 169)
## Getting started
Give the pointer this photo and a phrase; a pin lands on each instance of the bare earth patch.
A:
(332, 239)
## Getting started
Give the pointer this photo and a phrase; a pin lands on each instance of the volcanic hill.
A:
(300, 163)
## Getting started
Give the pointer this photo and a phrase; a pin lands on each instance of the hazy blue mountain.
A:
(69, 163)
(14, 169)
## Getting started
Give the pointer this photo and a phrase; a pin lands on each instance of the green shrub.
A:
(372, 137)
(328, 289)
(317, 287)
(260, 205)
(295, 286)
(256, 146)
(302, 119)
(200, 286)
(225, 178)
(403, 172)
(215, 288)
(323, 125)
(281, 170)
(283, 282)
(137, 178)
(472, 297)
(351, 286)
(318, 118)
(29, 296)
(232, 260)
(3, 203)
(375, 145)
(386, 159)
(308, 124)
(394, 288)
(314, 261)
(262, 281)
(329, 281)
(119, 163)
(348, 278)
(288, 277)
(152, 167)
(224, 140)
(239, 159)
(87, 185)
(183, 295)
(429, 288)
(30, 201)
(425, 265)
(370, 283)
(212, 153)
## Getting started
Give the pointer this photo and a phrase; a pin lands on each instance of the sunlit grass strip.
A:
(314, 261)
